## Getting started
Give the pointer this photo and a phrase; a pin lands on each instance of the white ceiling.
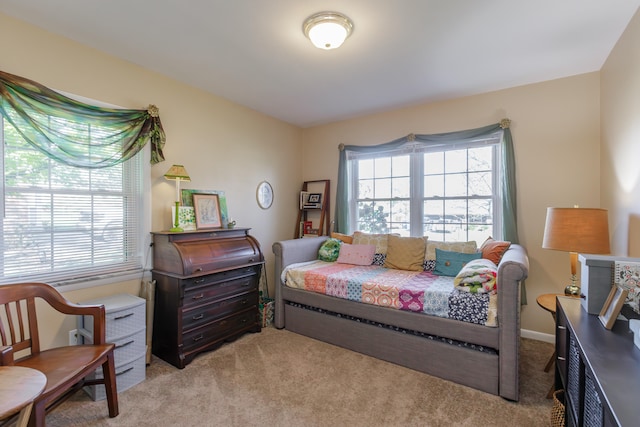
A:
(401, 52)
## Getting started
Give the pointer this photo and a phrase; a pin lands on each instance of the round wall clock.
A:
(264, 195)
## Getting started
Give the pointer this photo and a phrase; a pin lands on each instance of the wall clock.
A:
(264, 195)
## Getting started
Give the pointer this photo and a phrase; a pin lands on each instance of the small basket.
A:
(557, 410)
(266, 307)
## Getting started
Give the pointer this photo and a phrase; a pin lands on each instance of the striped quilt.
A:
(417, 291)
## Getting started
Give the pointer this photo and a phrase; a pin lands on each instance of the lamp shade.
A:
(584, 230)
(177, 172)
(327, 30)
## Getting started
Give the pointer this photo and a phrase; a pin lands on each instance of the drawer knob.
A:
(198, 296)
(124, 372)
(123, 317)
(561, 358)
(198, 317)
(198, 338)
(198, 281)
(562, 327)
(197, 270)
(125, 344)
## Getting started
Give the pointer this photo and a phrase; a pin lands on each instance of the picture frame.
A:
(207, 211)
(612, 306)
(187, 200)
(314, 198)
(264, 195)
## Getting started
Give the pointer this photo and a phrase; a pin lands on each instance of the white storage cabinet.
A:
(125, 327)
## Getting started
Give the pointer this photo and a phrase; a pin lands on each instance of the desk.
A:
(19, 387)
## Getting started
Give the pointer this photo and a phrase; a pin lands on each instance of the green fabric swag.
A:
(75, 133)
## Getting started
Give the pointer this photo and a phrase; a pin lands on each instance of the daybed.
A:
(475, 355)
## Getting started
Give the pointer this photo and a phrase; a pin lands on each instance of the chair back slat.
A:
(18, 322)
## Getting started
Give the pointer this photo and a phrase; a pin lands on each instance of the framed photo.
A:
(264, 195)
(207, 210)
(187, 200)
(315, 198)
(612, 306)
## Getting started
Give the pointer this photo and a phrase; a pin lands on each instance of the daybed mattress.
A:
(416, 291)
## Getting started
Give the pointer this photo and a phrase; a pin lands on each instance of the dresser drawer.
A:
(198, 295)
(207, 313)
(127, 348)
(219, 330)
(125, 315)
(199, 281)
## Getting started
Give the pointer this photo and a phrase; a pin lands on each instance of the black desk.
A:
(596, 366)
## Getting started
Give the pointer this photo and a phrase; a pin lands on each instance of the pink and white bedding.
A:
(417, 291)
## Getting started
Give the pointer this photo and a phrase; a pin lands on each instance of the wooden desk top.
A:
(19, 386)
(548, 301)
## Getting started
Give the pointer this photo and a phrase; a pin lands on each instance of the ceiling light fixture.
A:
(327, 30)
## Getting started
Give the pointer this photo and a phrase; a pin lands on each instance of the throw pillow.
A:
(462, 247)
(343, 237)
(329, 250)
(494, 249)
(405, 253)
(356, 254)
(450, 263)
(379, 240)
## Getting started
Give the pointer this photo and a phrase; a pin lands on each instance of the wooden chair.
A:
(65, 367)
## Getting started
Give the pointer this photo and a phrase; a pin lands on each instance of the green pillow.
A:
(329, 250)
(450, 263)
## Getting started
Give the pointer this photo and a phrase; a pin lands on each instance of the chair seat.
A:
(66, 364)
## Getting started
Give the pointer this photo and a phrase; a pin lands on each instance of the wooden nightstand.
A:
(548, 302)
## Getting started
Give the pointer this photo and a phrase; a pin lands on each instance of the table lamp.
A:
(576, 230)
(177, 173)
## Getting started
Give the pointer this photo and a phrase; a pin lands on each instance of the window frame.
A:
(115, 273)
(416, 152)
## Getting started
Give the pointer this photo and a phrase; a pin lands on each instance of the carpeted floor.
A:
(278, 378)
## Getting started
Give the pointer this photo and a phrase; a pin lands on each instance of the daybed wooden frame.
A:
(493, 373)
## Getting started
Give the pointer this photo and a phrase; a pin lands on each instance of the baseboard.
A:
(538, 336)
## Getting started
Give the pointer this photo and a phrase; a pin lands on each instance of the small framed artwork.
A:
(612, 306)
(315, 198)
(207, 210)
(264, 195)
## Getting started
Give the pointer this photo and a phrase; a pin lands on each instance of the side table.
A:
(548, 302)
(19, 387)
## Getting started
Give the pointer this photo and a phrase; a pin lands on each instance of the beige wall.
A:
(620, 158)
(555, 125)
(556, 133)
(223, 146)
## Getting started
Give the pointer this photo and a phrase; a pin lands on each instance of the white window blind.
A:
(63, 224)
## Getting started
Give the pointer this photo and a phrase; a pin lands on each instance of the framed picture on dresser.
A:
(612, 306)
(207, 211)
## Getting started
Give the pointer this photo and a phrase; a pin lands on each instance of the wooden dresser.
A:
(206, 291)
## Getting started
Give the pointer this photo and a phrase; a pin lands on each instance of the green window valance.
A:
(76, 133)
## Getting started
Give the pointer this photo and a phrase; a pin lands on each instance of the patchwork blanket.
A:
(417, 291)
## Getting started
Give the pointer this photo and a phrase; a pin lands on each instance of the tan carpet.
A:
(278, 378)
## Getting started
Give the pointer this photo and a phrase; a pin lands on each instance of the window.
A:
(62, 223)
(446, 192)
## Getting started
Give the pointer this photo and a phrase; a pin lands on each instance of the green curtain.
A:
(509, 208)
(76, 133)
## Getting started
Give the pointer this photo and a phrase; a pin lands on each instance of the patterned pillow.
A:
(380, 240)
(494, 249)
(356, 254)
(450, 263)
(462, 247)
(329, 250)
(405, 253)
